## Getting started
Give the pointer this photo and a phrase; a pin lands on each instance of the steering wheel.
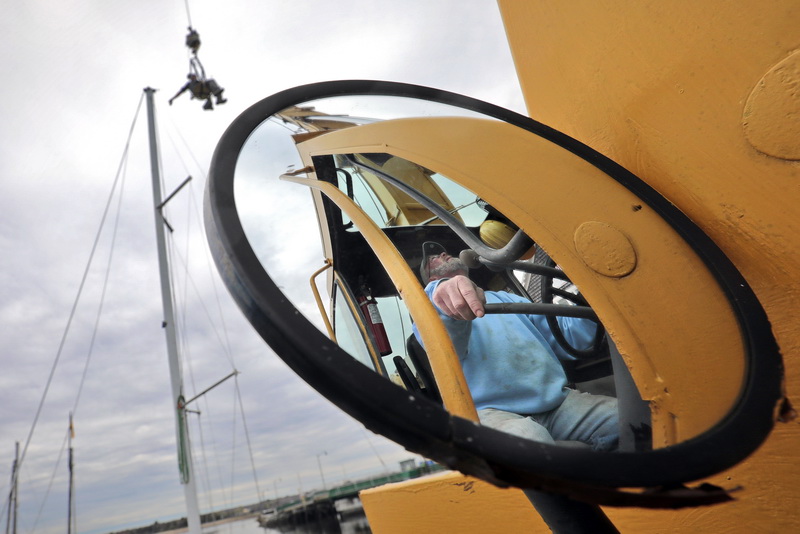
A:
(549, 289)
(547, 284)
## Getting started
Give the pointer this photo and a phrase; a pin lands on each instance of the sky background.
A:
(73, 78)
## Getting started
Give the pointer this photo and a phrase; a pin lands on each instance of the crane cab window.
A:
(390, 207)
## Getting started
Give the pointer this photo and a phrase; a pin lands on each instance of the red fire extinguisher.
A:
(369, 308)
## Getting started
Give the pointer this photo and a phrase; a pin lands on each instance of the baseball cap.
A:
(429, 249)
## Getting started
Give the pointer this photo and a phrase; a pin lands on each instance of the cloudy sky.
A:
(73, 79)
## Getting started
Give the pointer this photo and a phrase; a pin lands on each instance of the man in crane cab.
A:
(511, 362)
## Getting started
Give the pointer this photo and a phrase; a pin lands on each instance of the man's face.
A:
(445, 266)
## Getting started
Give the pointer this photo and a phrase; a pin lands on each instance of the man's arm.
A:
(579, 333)
(179, 93)
(459, 298)
(459, 330)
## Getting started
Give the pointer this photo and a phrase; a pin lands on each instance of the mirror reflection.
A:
(535, 374)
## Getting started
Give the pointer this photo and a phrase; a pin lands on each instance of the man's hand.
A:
(459, 298)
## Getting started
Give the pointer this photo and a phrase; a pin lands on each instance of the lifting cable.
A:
(188, 13)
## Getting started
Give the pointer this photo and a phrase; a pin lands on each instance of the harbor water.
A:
(352, 525)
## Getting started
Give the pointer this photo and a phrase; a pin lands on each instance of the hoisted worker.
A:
(202, 90)
(199, 87)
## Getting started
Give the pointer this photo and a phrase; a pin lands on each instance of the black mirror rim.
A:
(425, 427)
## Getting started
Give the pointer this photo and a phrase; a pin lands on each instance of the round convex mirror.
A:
(374, 170)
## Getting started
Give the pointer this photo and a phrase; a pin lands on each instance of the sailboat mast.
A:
(181, 426)
(70, 501)
(11, 524)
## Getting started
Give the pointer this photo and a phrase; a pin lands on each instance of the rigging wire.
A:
(222, 338)
(206, 470)
(90, 352)
(247, 437)
(50, 483)
(204, 308)
(198, 217)
(185, 146)
(233, 453)
(225, 343)
(104, 290)
(214, 278)
(374, 450)
(208, 493)
(185, 346)
(187, 358)
(77, 298)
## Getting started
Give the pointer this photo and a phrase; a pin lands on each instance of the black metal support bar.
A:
(566, 516)
(537, 308)
(524, 266)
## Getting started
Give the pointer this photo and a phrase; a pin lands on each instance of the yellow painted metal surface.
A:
(444, 361)
(699, 99)
(449, 502)
(321, 307)
(452, 502)
(679, 93)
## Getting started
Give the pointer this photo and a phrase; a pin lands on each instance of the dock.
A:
(320, 506)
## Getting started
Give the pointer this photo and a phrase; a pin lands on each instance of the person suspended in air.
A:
(199, 87)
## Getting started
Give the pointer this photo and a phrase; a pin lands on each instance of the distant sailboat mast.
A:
(13, 505)
(181, 427)
(71, 519)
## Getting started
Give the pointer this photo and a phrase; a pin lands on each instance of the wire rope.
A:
(50, 483)
(212, 277)
(91, 348)
(375, 451)
(103, 292)
(177, 132)
(207, 313)
(247, 437)
(181, 258)
(81, 286)
(181, 299)
(222, 337)
(205, 478)
(188, 13)
(233, 454)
